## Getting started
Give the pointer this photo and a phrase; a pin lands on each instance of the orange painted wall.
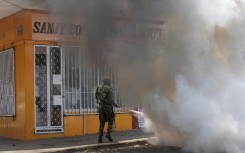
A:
(23, 18)
(6, 31)
(9, 25)
(14, 127)
(22, 126)
(29, 86)
(123, 122)
(74, 126)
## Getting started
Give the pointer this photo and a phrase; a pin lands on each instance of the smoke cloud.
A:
(183, 61)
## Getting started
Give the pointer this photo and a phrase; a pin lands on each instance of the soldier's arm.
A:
(112, 99)
(115, 104)
(98, 102)
(96, 95)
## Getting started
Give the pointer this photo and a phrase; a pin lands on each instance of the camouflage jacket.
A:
(104, 96)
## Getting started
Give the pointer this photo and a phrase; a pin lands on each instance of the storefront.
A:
(47, 85)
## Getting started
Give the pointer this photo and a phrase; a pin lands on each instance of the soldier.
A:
(104, 96)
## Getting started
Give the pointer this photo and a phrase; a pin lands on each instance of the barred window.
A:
(81, 78)
(7, 89)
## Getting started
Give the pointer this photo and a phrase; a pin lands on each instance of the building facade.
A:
(47, 84)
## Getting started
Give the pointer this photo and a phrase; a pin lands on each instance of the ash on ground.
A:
(136, 148)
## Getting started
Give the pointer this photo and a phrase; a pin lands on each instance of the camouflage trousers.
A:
(106, 114)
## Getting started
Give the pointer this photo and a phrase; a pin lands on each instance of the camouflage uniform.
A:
(104, 96)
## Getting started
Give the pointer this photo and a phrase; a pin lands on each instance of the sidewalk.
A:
(69, 143)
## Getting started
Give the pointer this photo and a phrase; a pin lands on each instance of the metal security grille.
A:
(41, 86)
(48, 90)
(81, 77)
(7, 88)
(55, 87)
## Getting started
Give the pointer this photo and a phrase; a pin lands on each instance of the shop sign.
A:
(57, 28)
(43, 28)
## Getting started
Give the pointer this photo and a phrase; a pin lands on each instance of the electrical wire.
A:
(13, 4)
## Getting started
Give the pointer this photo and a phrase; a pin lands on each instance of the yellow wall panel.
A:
(29, 87)
(22, 125)
(73, 125)
(20, 89)
(14, 127)
(6, 31)
(92, 124)
(9, 28)
(123, 122)
(23, 19)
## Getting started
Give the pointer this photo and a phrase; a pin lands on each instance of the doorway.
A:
(48, 103)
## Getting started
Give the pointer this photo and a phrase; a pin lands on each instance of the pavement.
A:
(69, 144)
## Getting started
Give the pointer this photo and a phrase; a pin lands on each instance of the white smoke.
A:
(193, 87)
(191, 83)
(203, 47)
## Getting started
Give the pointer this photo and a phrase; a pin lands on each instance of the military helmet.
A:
(107, 81)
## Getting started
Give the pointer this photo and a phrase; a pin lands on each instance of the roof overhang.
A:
(9, 7)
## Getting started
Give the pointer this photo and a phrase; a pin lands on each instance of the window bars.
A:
(7, 84)
(48, 89)
(83, 72)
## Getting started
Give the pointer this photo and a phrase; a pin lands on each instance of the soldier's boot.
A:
(108, 136)
(100, 139)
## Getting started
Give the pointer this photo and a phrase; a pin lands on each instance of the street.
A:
(142, 147)
(137, 149)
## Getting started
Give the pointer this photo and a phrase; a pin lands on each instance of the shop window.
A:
(7, 89)
(83, 72)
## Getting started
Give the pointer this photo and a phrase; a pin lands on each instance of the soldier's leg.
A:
(110, 125)
(101, 127)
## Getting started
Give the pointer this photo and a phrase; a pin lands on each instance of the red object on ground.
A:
(135, 121)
